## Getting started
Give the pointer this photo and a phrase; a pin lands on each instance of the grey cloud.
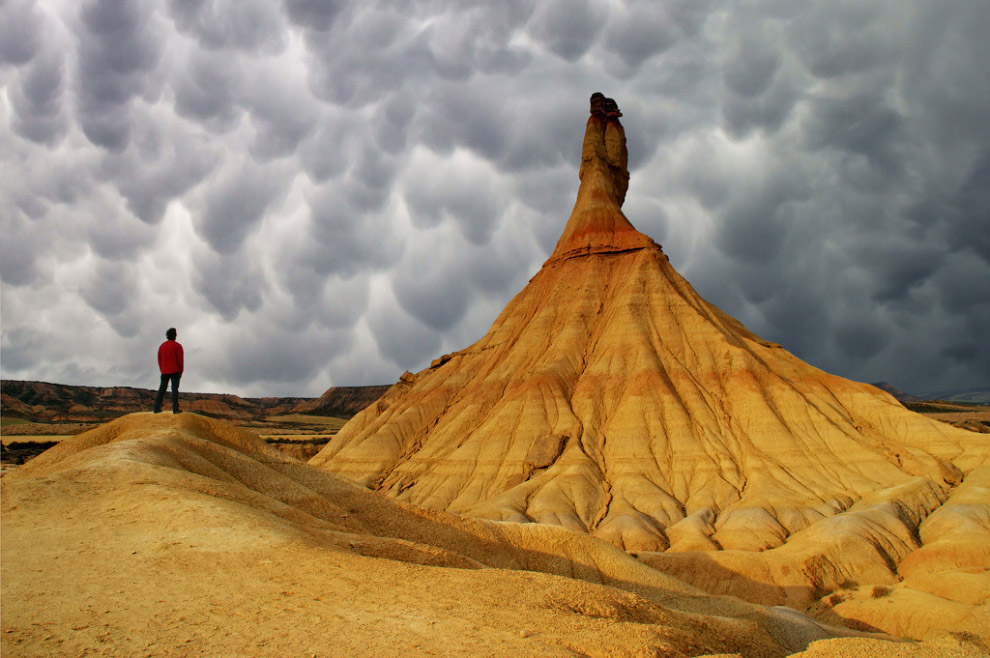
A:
(690, 15)
(360, 366)
(344, 303)
(752, 234)
(834, 39)
(303, 274)
(37, 99)
(900, 267)
(432, 295)
(837, 151)
(864, 123)
(109, 128)
(64, 180)
(458, 116)
(638, 32)
(768, 112)
(371, 54)
(970, 210)
(796, 317)
(207, 90)
(437, 283)
(549, 191)
(540, 134)
(229, 285)
(391, 124)
(758, 221)
(699, 166)
(110, 289)
(366, 56)
(363, 199)
(237, 201)
(456, 192)
(328, 152)
(314, 14)
(112, 234)
(22, 348)
(550, 196)
(283, 113)
(751, 60)
(964, 352)
(403, 342)
(762, 83)
(500, 273)
(118, 46)
(18, 248)
(476, 39)
(20, 31)
(947, 95)
(861, 338)
(264, 353)
(250, 25)
(646, 130)
(158, 165)
(373, 169)
(569, 27)
(964, 282)
(346, 241)
(963, 286)
(305, 271)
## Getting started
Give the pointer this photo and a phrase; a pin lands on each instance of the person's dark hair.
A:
(170, 334)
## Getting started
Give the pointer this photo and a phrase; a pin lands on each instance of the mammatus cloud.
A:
(326, 193)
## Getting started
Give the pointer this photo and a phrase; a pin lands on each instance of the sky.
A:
(319, 193)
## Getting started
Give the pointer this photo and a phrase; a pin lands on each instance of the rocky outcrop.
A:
(610, 398)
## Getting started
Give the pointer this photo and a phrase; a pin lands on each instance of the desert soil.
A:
(185, 536)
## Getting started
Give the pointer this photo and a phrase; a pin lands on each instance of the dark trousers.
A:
(174, 377)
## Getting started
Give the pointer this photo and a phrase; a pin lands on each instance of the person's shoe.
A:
(177, 411)
(158, 411)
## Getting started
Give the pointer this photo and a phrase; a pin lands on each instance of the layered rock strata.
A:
(610, 398)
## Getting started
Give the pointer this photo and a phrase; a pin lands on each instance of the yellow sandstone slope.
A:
(180, 535)
(610, 398)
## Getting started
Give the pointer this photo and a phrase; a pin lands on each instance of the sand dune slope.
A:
(180, 535)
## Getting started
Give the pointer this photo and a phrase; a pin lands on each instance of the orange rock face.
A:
(610, 398)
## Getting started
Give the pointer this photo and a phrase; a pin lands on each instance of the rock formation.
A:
(183, 535)
(609, 398)
(341, 401)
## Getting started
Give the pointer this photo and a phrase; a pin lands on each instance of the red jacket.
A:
(170, 357)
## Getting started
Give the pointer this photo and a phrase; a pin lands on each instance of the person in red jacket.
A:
(170, 363)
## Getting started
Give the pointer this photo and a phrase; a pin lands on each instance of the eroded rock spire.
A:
(610, 398)
(597, 223)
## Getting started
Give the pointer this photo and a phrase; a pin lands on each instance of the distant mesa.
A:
(45, 402)
(610, 398)
(896, 392)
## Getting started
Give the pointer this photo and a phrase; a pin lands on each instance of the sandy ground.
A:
(184, 536)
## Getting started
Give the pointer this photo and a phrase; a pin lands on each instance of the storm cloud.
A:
(329, 193)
